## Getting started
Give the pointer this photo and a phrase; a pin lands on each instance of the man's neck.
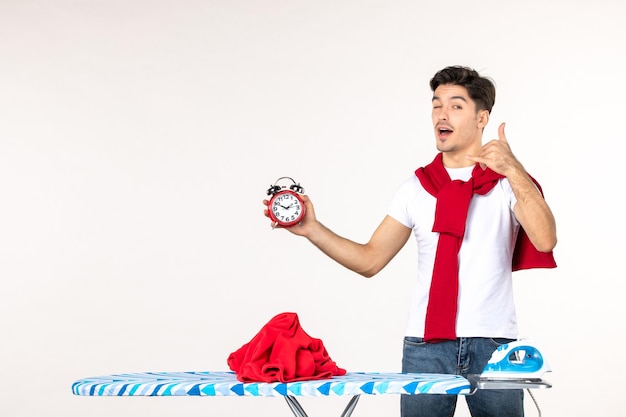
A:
(456, 160)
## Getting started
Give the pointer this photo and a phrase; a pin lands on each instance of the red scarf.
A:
(283, 352)
(453, 200)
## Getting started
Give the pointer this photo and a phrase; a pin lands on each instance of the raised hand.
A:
(497, 155)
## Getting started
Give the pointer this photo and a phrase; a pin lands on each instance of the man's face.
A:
(458, 127)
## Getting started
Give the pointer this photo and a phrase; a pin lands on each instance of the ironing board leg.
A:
(351, 406)
(298, 411)
(295, 406)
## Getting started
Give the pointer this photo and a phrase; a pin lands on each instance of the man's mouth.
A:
(444, 131)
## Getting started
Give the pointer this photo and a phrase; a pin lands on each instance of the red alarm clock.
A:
(286, 207)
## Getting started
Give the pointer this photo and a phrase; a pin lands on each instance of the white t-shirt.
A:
(486, 306)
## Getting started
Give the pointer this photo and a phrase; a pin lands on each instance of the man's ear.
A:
(483, 118)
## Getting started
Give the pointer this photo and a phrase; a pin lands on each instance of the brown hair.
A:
(480, 89)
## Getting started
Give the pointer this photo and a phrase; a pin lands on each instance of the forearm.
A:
(532, 211)
(347, 253)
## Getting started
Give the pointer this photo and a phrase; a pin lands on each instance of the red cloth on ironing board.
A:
(453, 199)
(282, 352)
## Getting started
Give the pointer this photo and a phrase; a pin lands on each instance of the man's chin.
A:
(441, 147)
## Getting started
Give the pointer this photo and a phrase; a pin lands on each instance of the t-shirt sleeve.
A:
(510, 194)
(398, 207)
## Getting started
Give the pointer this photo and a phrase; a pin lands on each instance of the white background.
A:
(138, 138)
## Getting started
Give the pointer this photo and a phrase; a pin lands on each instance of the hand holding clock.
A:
(285, 207)
(301, 227)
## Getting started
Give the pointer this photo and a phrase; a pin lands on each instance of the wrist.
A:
(315, 231)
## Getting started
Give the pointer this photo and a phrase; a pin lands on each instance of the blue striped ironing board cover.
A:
(226, 384)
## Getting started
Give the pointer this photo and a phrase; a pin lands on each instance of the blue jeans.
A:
(461, 357)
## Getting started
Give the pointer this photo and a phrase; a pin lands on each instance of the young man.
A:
(477, 215)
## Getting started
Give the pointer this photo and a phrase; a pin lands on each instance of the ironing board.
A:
(209, 384)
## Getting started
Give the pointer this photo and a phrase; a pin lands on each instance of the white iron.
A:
(517, 364)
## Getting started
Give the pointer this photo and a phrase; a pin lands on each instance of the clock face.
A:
(286, 208)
